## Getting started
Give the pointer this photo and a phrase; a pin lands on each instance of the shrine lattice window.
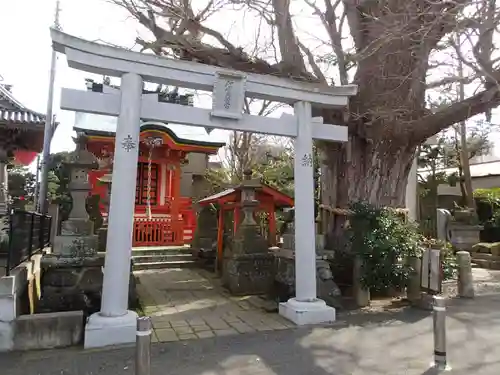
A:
(141, 190)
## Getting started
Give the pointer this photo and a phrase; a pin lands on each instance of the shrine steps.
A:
(145, 258)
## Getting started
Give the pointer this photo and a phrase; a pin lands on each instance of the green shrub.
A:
(383, 240)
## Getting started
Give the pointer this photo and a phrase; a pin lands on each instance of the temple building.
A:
(21, 137)
(170, 174)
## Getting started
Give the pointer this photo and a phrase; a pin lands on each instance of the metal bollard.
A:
(143, 346)
(439, 323)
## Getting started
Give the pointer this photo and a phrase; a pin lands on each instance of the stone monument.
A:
(247, 262)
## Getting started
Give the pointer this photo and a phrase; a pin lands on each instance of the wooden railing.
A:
(161, 231)
(164, 230)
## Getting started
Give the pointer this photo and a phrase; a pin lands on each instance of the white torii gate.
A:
(114, 324)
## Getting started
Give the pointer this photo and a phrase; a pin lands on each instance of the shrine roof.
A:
(13, 113)
(107, 128)
(230, 195)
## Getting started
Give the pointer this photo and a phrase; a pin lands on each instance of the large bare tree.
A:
(389, 48)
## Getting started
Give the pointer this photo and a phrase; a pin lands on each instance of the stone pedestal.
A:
(248, 268)
(72, 283)
(284, 270)
(284, 278)
(463, 236)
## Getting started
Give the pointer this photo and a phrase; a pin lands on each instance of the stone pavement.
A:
(387, 342)
(190, 304)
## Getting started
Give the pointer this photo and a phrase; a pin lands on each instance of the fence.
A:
(29, 233)
(159, 232)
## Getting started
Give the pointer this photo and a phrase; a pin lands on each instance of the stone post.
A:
(361, 294)
(465, 280)
(413, 291)
(115, 324)
(53, 212)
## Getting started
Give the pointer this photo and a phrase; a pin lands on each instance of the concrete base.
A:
(47, 331)
(302, 313)
(104, 331)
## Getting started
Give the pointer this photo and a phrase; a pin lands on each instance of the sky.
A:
(26, 52)
(27, 64)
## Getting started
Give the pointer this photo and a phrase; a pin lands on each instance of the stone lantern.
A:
(77, 237)
(72, 273)
(248, 264)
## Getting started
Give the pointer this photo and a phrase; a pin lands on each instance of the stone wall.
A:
(19, 294)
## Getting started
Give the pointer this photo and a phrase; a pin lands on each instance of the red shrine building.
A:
(170, 177)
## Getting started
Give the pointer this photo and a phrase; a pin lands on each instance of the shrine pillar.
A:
(115, 324)
(305, 308)
(175, 205)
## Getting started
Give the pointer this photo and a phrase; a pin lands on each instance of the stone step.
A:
(160, 265)
(158, 258)
(485, 256)
(161, 250)
(488, 264)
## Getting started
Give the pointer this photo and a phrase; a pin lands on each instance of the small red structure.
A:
(164, 214)
(269, 198)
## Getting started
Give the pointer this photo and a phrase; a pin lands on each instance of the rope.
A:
(148, 197)
(348, 212)
(151, 142)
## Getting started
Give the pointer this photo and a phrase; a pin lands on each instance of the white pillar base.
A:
(302, 313)
(104, 331)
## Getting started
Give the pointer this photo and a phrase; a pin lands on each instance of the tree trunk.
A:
(363, 171)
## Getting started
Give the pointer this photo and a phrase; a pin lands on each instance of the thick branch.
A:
(289, 47)
(461, 111)
(451, 79)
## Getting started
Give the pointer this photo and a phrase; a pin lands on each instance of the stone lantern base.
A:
(248, 268)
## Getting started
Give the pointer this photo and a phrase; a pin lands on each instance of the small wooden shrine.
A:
(230, 203)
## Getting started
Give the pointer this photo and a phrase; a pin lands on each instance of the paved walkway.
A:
(368, 343)
(190, 304)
